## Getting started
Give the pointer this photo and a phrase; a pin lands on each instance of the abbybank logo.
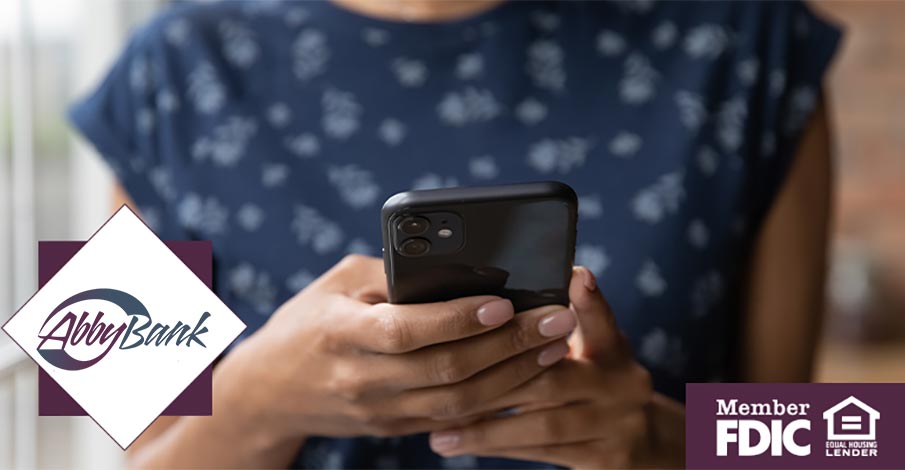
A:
(95, 338)
(794, 425)
(122, 329)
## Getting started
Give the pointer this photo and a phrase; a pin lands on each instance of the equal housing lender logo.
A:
(124, 328)
(791, 426)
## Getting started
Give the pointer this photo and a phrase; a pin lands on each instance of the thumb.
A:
(597, 332)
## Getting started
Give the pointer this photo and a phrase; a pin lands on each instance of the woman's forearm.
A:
(665, 447)
(203, 441)
(233, 436)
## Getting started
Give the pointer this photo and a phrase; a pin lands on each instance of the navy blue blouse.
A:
(277, 129)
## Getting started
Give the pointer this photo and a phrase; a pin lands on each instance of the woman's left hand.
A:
(595, 409)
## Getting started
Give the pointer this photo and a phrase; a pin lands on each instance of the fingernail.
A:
(495, 312)
(557, 324)
(588, 279)
(445, 441)
(552, 354)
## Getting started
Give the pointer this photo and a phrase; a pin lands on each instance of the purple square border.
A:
(195, 400)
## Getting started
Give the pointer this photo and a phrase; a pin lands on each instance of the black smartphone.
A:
(515, 241)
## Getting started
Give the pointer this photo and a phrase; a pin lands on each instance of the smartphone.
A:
(515, 241)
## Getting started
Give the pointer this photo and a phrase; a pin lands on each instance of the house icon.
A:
(851, 420)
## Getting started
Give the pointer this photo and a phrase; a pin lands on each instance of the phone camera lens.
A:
(415, 247)
(414, 225)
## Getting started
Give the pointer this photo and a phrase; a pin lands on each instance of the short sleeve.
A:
(120, 118)
(796, 50)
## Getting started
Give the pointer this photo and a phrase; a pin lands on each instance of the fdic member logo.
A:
(794, 425)
(757, 436)
(124, 327)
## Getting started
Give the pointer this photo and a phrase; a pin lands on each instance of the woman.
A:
(693, 133)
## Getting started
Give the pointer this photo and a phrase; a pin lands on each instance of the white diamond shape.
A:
(128, 389)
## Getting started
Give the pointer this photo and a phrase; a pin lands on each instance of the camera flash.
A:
(444, 233)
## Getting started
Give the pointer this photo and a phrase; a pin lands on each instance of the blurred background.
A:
(53, 188)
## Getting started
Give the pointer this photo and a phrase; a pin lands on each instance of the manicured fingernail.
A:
(552, 354)
(445, 441)
(557, 324)
(495, 312)
(588, 280)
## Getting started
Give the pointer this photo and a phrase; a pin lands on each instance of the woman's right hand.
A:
(336, 360)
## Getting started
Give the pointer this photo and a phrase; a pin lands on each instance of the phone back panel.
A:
(514, 241)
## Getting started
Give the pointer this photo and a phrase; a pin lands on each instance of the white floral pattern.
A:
(625, 144)
(610, 43)
(434, 181)
(708, 160)
(239, 45)
(483, 168)
(545, 65)
(375, 37)
(471, 105)
(274, 174)
(664, 35)
(314, 230)
(310, 54)
(355, 185)
(250, 216)
(279, 115)
(226, 143)
(662, 351)
(655, 202)
(341, 113)
(649, 280)
(167, 101)
(593, 257)
(176, 31)
(207, 93)
(590, 206)
(698, 234)
(304, 145)
(206, 215)
(531, 111)
(638, 84)
(141, 75)
(253, 286)
(692, 112)
(706, 41)
(300, 280)
(392, 131)
(469, 66)
(747, 71)
(410, 72)
(558, 156)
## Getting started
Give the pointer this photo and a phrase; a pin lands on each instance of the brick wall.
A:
(867, 96)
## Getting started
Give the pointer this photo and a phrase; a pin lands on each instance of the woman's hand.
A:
(335, 361)
(594, 410)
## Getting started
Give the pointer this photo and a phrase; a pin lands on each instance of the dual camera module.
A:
(417, 235)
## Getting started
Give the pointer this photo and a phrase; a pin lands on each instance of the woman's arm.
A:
(120, 197)
(146, 450)
(786, 282)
